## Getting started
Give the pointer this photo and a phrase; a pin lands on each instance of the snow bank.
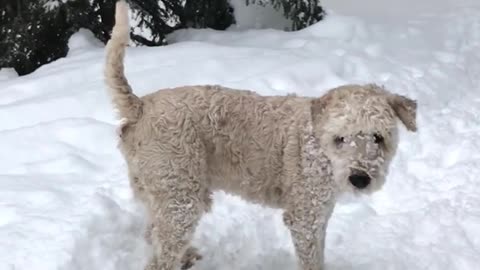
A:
(257, 16)
(82, 41)
(7, 73)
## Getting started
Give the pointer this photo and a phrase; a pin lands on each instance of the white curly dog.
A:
(287, 152)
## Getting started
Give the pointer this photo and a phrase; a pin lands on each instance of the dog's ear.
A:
(405, 109)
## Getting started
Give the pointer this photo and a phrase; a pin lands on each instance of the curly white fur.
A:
(288, 152)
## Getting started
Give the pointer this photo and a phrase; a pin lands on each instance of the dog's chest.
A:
(316, 166)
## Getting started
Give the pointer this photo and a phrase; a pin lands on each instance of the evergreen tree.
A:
(34, 32)
(303, 13)
(154, 19)
(215, 14)
(99, 18)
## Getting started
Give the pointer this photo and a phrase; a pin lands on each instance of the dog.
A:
(287, 152)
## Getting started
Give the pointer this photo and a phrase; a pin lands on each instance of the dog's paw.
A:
(189, 258)
(152, 264)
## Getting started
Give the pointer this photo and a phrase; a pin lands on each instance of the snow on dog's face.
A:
(357, 127)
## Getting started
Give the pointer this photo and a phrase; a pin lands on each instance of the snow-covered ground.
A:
(65, 202)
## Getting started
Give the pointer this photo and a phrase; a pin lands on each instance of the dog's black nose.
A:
(360, 181)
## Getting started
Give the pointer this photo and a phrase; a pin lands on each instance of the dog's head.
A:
(357, 127)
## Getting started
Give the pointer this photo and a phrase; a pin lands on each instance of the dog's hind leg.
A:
(174, 222)
(176, 182)
(192, 255)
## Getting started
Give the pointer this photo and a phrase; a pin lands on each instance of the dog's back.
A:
(243, 134)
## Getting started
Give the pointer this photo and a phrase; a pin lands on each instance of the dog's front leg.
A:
(307, 224)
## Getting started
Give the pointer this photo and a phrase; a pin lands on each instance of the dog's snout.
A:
(359, 180)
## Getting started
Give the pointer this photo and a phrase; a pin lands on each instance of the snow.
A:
(82, 41)
(51, 5)
(65, 201)
(7, 73)
(257, 15)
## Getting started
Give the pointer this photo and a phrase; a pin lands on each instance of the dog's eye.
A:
(339, 140)
(377, 138)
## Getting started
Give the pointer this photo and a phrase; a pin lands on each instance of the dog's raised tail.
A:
(129, 106)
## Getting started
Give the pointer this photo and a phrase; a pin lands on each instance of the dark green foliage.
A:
(100, 18)
(31, 35)
(36, 32)
(303, 13)
(176, 14)
(157, 20)
(215, 14)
